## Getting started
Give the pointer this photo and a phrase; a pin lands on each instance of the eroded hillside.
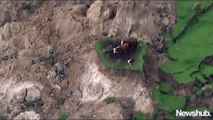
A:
(48, 64)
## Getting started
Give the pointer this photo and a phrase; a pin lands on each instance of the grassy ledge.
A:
(119, 64)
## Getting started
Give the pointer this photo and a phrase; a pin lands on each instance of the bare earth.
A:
(61, 35)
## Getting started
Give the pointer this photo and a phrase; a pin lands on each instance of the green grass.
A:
(184, 11)
(60, 100)
(200, 108)
(165, 88)
(169, 103)
(139, 116)
(192, 47)
(40, 2)
(62, 116)
(137, 65)
(29, 104)
(109, 100)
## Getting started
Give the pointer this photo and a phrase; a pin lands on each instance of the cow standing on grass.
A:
(124, 46)
(130, 61)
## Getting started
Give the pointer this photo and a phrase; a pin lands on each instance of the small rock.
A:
(61, 69)
(27, 115)
(20, 95)
(5, 17)
(33, 94)
(6, 32)
(166, 21)
(57, 87)
(1, 96)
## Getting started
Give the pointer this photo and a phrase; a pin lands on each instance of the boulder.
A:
(33, 94)
(27, 115)
(20, 95)
(27, 94)
(6, 34)
(5, 17)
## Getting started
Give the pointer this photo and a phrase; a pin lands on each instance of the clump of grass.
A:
(62, 116)
(31, 104)
(166, 101)
(27, 7)
(139, 116)
(109, 100)
(105, 44)
(3, 58)
(60, 100)
(28, 104)
(40, 2)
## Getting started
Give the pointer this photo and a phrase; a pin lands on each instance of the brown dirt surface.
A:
(50, 48)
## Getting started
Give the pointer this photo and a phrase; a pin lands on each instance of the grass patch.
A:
(139, 54)
(29, 104)
(40, 2)
(192, 47)
(33, 104)
(27, 7)
(60, 100)
(200, 108)
(109, 100)
(139, 116)
(165, 88)
(169, 103)
(62, 116)
(185, 11)
(4, 58)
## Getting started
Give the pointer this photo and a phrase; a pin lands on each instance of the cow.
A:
(132, 43)
(130, 61)
(125, 45)
(121, 49)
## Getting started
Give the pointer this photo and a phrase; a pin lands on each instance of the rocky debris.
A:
(94, 12)
(21, 94)
(80, 9)
(5, 17)
(111, 111)
(27, 115)
(136, 17)
(1, 96)
(61, 69)
(6, 34)
(32, 39)
(144, 105)
(59, 72)
(56, 87)
(31, 93)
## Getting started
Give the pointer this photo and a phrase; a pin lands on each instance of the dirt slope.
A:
(49, 48)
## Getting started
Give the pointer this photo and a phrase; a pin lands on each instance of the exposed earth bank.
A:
(48, 64)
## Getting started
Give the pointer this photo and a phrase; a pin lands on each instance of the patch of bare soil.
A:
(46, 54)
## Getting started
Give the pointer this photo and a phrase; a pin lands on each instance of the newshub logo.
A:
(195, 113)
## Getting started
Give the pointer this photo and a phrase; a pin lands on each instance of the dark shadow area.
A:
(123, 56)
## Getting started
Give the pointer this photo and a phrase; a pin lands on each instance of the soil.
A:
(39, 40)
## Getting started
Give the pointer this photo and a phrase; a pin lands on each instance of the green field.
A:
(192, 47)
(137, 65)
(163, 93)
(185, 12)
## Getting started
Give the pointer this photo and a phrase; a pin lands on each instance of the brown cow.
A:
(125, 45)
(130, 61)
(132, 43)
(121, 49)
